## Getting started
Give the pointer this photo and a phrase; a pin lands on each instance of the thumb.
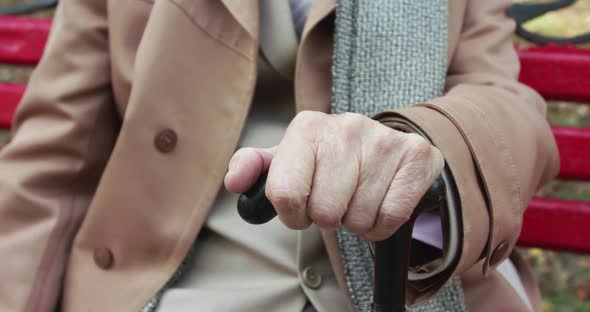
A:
(245, 166)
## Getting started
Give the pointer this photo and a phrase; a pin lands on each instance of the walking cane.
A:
(391, 255)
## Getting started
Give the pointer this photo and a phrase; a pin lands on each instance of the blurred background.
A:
(564, 278)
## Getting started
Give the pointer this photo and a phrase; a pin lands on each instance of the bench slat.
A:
(557, 224)
(557, 72)
(574, 152)
(10, 96)
(22, 39)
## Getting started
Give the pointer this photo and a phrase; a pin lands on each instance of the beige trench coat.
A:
(126, 129)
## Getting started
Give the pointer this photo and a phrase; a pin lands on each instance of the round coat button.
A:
(166, 140)
(311, 278)
(499, 253)
(103, 258)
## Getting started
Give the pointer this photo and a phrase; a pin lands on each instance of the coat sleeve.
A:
(493, 133)
(63, 131)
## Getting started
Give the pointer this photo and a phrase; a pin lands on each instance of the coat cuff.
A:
(466, 208)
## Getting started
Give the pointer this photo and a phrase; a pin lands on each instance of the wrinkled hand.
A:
(344, 169)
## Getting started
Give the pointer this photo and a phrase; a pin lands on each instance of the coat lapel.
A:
(313, 70)
(319, 10)
(246, 13)
(278, 40)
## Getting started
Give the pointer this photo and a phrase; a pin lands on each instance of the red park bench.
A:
(556, 72)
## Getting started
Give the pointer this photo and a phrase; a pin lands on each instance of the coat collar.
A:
(319, 10)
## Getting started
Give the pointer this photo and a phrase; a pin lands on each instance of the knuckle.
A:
(350, 123)
(391, 218)
(418, 147)
(325, 216)
(307, 118)
(357, 223)
(284, 200)
(384, 144)
(294, 224)
(352, 119)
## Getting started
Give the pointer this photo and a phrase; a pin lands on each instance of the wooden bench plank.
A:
(557, 72)
(22, 39)
(574, 152)
(557, 224)
(10, 96)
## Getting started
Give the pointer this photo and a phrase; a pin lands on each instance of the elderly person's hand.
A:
(344, 169)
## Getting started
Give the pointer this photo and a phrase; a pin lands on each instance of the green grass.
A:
(565, 302)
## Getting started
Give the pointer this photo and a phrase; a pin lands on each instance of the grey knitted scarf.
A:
(388, 54)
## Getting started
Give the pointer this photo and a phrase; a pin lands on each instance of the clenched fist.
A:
(344, 169)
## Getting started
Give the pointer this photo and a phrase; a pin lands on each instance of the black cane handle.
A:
(255, 208)
(253, 205)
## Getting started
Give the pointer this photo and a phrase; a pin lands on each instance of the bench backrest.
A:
(560, 73)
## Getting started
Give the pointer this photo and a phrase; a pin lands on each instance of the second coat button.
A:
(311, 278)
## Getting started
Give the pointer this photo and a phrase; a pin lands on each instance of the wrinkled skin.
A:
(341, 169)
